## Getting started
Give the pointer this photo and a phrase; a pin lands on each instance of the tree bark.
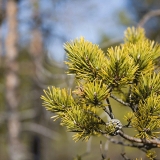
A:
(16, 150)
(36, 50)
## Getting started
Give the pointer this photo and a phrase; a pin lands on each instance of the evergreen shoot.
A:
(126, 73)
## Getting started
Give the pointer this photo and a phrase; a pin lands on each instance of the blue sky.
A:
(74, 18)
(90, 19)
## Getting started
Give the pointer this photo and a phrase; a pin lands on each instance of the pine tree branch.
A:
(119, 100)
(110, 109)
(122, 102)
(88, 149)
(124, 156)
(134, 145)
(141, 146)
(96, 116)
(105, 109)
(151, 143)
(102, 155)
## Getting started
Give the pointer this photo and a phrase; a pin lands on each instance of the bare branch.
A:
(46, 132)
(96, 116)
(88, 149)
(134, 145)
(42, 71)
(148, 16)
(106, 111)
(148, 142)
(102, 155)
(110, 109)
(119, 100)
(141, 146)
(23, 115)
(124, 156)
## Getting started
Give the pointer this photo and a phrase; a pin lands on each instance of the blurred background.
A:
(32, 34)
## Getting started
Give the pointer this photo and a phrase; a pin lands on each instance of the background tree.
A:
(12, 84)
(24, 71)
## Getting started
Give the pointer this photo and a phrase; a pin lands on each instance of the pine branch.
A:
(96, 116)
(124, 156)
(133, 145)
(105, 110)
(122, 102)
(102, 155)
(151, 143)
(119, 100)
(98, 74)
(110, 109)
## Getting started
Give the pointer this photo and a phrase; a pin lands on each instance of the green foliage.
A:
(100, 76)
(151, 155)
(85, 59)
(78, 158)
(119, 69)
(134, 35)
(92, 93)
(146, 118)
(83, 121)
(57, 100)
(143, 54)
(148, 84)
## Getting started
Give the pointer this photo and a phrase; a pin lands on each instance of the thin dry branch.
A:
(115, 141)
(148, 16)
(110, 109)
(154, 143)
(124, 156)
(119, 100)
(23, 115)
(46, 132)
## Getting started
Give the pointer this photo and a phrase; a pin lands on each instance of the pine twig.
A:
(148, 16)
(133, 145)
(96, 116)
(154, 143)
(42, 130)
(102, 155)
(119, 100)
(124, 156)
(110, 109)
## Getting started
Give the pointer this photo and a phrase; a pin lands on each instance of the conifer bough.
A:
(129, 70)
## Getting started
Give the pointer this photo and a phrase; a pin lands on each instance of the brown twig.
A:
(134, 145)
(153, 143)
(102, 155)
(124, 156)
(148, 16)
(110, 109)
(42, 130)
(119, 100)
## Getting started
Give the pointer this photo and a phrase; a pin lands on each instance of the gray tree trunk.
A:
(16, 150)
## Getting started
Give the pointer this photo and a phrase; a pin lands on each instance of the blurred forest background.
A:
(32, 33)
